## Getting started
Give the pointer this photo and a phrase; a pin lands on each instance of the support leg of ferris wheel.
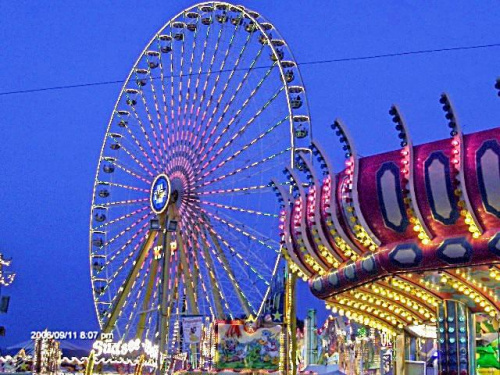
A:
(149, 289)
(189, 280)
(230, 273)
(290, 320)
(213, 282)
(143, 252)
(89, 369)
(141, 326)
(189, 287)
(164, 309)
(190, 283)
(196, 272)
(170, 307)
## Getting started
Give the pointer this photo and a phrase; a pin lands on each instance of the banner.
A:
(192, 326)
(239, 349)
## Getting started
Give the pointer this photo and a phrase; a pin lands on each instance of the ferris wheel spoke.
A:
(135, 159)
(152, 122)
(179, 166)
(254, 232)
(240, 130)
(190, 71)
(215, 303)
(180, 125)
(238, 209)
(223, 92)
(148, 304)
(207, 75)
(129, 187)
(240, 110)
(112, 267)
(199, 74)
(123, 331)
(242, 149)
(129, 153)
(241, 242)
(243, 169)
(190, 275)
(220, 255)
(123, 264)
(128, 311)
(218, 293)
(132, 102)
(192, 258)
(128, 228)
(240, 228)
(230, 101)
(160, 117)
(129, 171)
(166, 144)
(128, 202)
(194, 250)
(216, 290)
(218, 76)
(242, 259)
(175, 120)
(146, 136)
(110, 261)
(135, 309)
(256, 189)
(153, 308)
(141, 148)
(231, 222)
(186, 98)
(258, 173)
(209, 254)
(123, 217)
(172, 118)
(125, 288)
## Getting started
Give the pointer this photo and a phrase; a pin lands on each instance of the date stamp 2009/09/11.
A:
(67, 335)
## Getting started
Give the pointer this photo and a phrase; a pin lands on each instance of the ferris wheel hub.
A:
(159, 195)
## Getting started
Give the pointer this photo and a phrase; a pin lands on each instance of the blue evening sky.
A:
(50, 140)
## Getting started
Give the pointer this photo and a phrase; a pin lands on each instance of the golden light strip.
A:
(361, 317)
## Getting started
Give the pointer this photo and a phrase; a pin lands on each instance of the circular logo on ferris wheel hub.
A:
(160, 194)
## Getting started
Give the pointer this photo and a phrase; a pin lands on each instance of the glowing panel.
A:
(455, 251)
(488, 159)
(439, 189)
(350, 272)
(333, 279)
(406, 255)
(369, 265)
(390, 197)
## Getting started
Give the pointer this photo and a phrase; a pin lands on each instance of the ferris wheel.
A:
(184, 218)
